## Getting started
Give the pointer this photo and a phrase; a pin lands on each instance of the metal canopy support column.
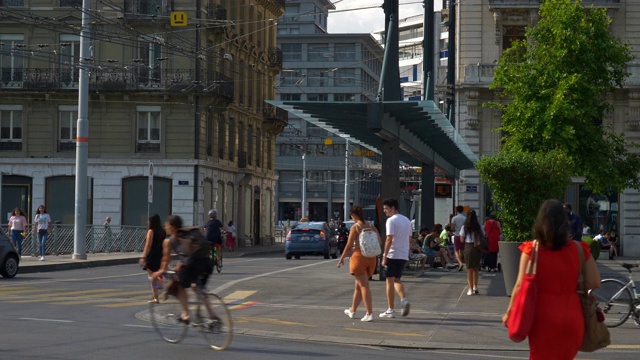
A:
(428, 51)
(427, 205)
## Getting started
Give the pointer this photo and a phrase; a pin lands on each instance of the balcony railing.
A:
(216, 12)
(274, 58)
(132, 79)
(275, 119)
(144, 9)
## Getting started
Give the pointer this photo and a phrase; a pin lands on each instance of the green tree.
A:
(556, 83)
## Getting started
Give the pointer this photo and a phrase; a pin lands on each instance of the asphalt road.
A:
(282, 309)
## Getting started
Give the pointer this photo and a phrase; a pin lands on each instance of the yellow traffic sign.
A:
(179, 18)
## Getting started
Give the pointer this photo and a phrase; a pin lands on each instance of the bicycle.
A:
(214, 259)
(618, 300)
(216, 328)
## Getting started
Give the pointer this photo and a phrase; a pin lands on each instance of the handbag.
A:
(596, 334)
(480, 242)
(523, 309)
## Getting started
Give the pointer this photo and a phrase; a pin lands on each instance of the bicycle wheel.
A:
(615, 300)
(165, 317)
(217, 330)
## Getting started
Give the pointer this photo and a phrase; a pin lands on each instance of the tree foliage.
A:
(557, 82)
(520, 182)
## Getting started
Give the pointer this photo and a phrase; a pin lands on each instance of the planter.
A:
(510, 261)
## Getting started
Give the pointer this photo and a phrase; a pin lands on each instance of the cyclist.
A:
(193, 270)
(213, 229)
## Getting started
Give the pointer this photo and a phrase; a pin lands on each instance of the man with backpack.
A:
(213, 229)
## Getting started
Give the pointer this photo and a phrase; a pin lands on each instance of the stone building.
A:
(189, 99)
(484, 29)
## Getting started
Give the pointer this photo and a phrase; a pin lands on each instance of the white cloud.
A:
(367, 20)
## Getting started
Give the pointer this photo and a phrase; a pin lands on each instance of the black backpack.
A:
(192, 242)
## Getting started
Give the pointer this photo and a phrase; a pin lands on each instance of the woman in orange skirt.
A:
(360, 267)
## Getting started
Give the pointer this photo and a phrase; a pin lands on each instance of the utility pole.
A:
(346, 180)
(451, 64)
(82, 138)
(428, 50)
(304, 185)
(196, 143)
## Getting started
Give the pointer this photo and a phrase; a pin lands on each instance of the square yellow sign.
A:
(179, 18)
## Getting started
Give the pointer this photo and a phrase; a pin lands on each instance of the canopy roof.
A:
(426, 136)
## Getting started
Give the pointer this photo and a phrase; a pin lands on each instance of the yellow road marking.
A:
(272, 321)
(239, 295)
(103, 293)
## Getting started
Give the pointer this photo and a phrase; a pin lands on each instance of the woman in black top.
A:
(152, 253)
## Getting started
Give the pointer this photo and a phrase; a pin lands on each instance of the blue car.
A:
(310, 238)
(9, 258)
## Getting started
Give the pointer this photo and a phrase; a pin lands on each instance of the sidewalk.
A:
(31, 264)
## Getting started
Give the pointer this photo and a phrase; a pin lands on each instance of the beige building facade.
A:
(484, 29)
(188, 99)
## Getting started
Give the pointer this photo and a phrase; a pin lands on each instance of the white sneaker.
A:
(388, 314)
(470, 292)
(406, 306)
(451, 266)
(41, 258)
(349, 313)
(367, 318)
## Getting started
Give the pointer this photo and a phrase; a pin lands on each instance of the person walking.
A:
(360, 267)
(395, 255)
(41, 223)
(152, 253)
(493, 230)
(231, 237)
(17, 226)
(558, 325)
(469, 232)
(575, 223)
(458, 241)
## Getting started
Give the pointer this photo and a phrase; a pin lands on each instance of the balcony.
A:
(274, 119)
(274, 58)
(143, 10)
(274, 6)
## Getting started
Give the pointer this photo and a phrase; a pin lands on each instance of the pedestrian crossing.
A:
(112, 297)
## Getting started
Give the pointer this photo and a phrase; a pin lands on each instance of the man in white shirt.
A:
(458, 242)
(395, 255)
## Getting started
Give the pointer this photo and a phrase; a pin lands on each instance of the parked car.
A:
(310, 238)
(9, 258)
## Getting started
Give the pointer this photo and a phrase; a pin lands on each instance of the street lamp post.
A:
(304, 186)
(346, 180)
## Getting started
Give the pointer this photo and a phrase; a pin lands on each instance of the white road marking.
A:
(48, 320)
(229, 284)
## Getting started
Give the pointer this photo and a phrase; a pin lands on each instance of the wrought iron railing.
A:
(99, 239)
(274, 57)
(143, 9)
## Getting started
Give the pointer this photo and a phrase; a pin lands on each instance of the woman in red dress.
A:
(492, 230)
(558, 327)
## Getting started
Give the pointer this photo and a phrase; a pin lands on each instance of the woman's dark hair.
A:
(155, 224)
(174, 220)
(552, 225)
(357, 211)
(471, 224)
(44, 209)
(230, 223)
(437, 229)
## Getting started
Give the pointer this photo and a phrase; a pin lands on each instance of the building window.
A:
(345, 77)
(318, 52)
(68, 115)
(70, 3)
(345, 52)
(149, 61)
(344, 97)
(511, 34)
(148, 139)
(11, 60)
(317, 97)
(232, 140)
(250, 146)
(292, 52)
(12, 2)
(209, 135)
(290, 97)
(222, 136)
(258, 148)
(10, 128)
(317, 78)
(69, 61)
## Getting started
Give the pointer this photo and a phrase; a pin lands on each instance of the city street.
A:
(281, 309)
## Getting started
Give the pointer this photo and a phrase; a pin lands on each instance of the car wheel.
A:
(297, 257)
(288, 256)
(9, 266)
(326, 255)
